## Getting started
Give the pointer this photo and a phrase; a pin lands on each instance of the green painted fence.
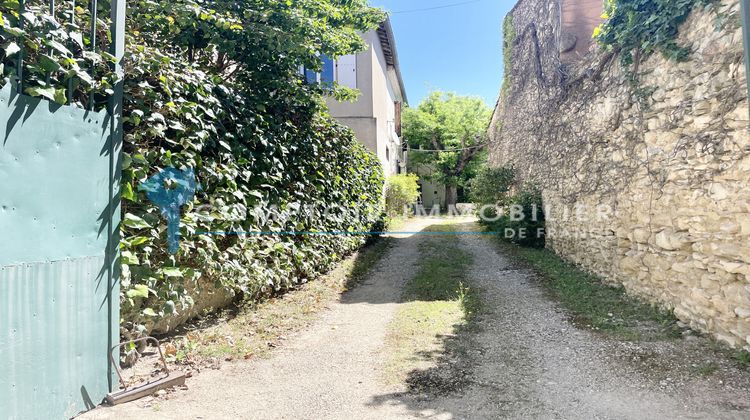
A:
(59, 217)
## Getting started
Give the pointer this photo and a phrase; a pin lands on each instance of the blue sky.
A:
(455, 49)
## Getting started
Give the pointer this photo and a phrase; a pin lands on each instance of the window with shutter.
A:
(346, 71)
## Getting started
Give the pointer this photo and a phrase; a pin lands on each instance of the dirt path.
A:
(532, 363)
(528, 361)
(328, 371)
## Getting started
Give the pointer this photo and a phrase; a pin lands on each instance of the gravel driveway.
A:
(527, 361)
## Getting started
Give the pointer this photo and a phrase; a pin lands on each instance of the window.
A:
(328, 74)
(310, 76)
(343, 71)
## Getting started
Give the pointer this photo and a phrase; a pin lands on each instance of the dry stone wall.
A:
(645, 183)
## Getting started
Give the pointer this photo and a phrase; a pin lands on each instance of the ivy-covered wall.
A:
(213, 86)
(642, 152)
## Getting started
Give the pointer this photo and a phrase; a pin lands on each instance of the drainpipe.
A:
(745, 11)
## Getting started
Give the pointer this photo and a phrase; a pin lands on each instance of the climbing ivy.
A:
(509, 37)
(638, 28)
(214, 85)
(63, 62)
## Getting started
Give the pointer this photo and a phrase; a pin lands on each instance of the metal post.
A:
(745, 11)
(72, 22)
(117, 49)
(94, 8)
(19, 63)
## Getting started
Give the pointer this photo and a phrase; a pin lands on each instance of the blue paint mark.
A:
(171, 189)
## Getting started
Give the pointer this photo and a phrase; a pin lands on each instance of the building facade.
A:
(376, 115)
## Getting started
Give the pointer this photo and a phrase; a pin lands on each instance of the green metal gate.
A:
(59, 216)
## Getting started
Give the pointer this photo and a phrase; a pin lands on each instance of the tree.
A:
(452, 130)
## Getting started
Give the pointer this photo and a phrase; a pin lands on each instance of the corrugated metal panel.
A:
(53, 342)
(57, 172)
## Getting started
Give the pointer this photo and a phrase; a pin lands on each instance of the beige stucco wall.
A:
(363, 106)
(372, 116)
(365, 128)
(432, 192)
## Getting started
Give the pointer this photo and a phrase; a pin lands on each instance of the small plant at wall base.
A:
(522, 222)
(401, 192)
(515, 212)
(638, 28)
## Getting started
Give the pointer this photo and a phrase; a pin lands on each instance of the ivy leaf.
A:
(44, 92)
(77, 37)
(139, 291)
(126, 161)
(172, 272)
(61, 96)
(128, 258)
(169, 307)
(58, 46)
(14, 31)
(127, 192)
(149, 312)
(48, 63)
(109, 57)
(134, 222)
(11, 48)
(138, 240)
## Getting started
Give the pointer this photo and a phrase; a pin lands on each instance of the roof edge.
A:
(387, 29)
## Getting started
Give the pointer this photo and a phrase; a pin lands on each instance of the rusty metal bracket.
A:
(130, 394)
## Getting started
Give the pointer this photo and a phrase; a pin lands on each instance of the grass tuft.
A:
(594, 304)
(743, 358)
(438, 306)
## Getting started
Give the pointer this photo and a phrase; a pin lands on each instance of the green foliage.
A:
(401, 191)
(509, 37)
(743, 358)
(64, 64)
(214, 85)
(445, 121)
(639, 28)
(444, 273)
(492, 186)
(516, 212)
(522, 221)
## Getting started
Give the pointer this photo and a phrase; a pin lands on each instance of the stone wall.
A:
(646, 184)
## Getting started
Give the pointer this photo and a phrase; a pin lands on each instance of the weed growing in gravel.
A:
(743, 357)
(707, 369)
(424, 339)
(594, 304)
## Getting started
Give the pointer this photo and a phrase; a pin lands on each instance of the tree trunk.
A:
(451, 196)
